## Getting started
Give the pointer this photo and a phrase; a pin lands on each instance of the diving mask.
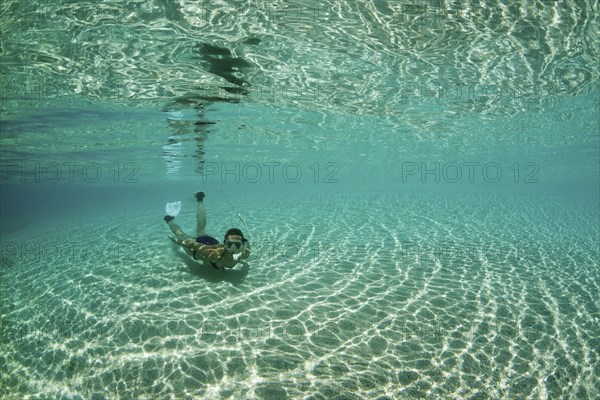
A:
(233, 246)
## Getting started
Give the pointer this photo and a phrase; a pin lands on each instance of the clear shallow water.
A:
(425, 297)
(420, 184)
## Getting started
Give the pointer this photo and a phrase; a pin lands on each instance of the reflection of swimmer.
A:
(205, 247)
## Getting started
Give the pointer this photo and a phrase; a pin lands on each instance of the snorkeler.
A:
(206, 248)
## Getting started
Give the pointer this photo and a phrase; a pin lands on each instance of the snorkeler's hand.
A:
(245, 250)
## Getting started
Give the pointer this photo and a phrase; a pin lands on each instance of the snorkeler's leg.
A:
(179, 234)
(200, 215)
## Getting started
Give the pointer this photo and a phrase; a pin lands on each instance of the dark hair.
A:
(233, 231)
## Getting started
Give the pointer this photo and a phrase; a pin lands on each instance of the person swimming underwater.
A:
(206, 248)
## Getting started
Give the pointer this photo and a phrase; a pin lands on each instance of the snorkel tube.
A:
(243, 222)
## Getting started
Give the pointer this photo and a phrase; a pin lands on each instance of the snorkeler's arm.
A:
(210, 252)
(213, 253)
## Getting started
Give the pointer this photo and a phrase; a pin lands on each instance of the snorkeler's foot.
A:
(168, 218)
(199, 196)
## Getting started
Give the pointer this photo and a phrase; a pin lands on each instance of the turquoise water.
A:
(420, 183)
